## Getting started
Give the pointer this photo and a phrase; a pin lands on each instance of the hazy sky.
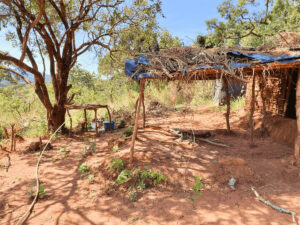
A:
(183, 18)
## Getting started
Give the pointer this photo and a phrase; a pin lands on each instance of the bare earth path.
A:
(71, 199)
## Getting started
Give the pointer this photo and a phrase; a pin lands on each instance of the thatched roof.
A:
(199, 63)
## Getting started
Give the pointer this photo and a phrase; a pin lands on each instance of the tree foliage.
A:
(243, 24)
(58, 32)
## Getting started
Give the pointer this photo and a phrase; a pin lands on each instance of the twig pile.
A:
(173, 62)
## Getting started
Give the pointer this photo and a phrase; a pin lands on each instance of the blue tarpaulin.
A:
(131, 64)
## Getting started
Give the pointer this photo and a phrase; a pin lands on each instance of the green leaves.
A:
(123, 177)
(197, 188)
(117, 164)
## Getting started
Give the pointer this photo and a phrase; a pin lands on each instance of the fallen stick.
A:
(27, 213)
(213, 143)
(274, 206)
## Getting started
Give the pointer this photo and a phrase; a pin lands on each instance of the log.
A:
(136, 123)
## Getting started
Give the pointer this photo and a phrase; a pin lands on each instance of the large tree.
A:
(57, 32)
(248, 23)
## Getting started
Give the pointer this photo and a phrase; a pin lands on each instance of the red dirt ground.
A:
(71, 199)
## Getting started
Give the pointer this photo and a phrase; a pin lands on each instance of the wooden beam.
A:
(227, 115)
(136, 123)
(297, 140)
(252, 111)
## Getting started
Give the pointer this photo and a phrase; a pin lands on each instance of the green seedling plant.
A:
(64, 151)
(117, 164)
(115, 149)
(84, 169)
(128, 132)
(197, 188)
(123, 177)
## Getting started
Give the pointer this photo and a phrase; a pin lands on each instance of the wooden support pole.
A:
(264, 111)
(70, 131)
(144, 112)
(6, 133)
(227, 115)
(12, 138)
(109, 115)
(297, 140)
(85, 120)
(136, 123)
(252, 110)
(96, 122)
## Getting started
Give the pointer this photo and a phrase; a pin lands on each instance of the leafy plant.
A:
(84, 169)
(42, 191)
(197, 188)
(91, 178)
(123, 177)
(128, 132)
(115, 149)
(117, 164)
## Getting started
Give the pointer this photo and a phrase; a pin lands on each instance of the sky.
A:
(183, 18)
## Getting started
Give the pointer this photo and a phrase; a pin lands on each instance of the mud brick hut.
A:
(272, 78)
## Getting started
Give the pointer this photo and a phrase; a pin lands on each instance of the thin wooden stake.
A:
(12, 138)
(136, 123)
(96, 122)
(85, 120)
(144, 112)
(227, 115)
(252, 109)
(262, 88)
(70, 131)
(297, 140)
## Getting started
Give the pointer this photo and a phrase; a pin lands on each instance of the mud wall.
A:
(274, 90)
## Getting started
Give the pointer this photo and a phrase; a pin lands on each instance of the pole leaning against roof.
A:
(297, 140)
(136, 123)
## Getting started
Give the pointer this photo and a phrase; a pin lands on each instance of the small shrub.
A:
(91, 178)
(123, 177)
(117, 164)
(128, 132)
(197, 188)
(115, 149)
(42, 191)
(84, 169)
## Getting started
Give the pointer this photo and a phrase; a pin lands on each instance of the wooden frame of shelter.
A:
(213, 74)
(85, 108)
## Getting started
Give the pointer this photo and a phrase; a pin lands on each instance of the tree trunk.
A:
(57, 117)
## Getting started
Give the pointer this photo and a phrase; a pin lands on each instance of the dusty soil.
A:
(72, 199)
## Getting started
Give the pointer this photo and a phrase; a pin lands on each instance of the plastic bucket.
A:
(107, 125)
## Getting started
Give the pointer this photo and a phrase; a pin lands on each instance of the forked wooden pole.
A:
(252, 110)
(297, 140)
(227, 115)
(136, 123)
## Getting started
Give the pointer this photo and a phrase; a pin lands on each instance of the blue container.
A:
(107, 123)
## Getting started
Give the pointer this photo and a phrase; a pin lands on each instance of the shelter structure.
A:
(265, 72)
(85, 108)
